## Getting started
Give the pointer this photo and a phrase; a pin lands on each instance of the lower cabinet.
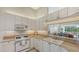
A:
(32, 43)
(41, 45)
(44, 46)
(7, 47)
(64, 50)
(35, 43)
(38, 44)
(55, 48)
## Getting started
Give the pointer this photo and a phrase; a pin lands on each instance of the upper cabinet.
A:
(18, 20)
(68, 11)
(53, 16)
(72, 10)
(63, 13)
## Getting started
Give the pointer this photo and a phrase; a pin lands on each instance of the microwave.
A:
(20, 27)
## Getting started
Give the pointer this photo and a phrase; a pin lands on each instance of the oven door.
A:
(22, 45)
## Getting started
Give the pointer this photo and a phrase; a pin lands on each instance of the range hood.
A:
(73, 18)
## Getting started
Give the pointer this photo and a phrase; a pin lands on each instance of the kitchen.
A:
(39, 29)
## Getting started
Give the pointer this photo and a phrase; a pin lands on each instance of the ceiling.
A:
(27, 12)
(35, 8)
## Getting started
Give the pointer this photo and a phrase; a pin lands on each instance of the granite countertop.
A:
(69, 44)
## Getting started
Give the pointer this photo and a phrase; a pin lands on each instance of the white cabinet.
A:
(1, 47)
(32, 43)
(54, 15)
(18, 20)
(64, 49)
(63, 13)
(9, 25)
(41, 45)
(38, 44)
(46, 46)
(35, 43)
(59, 14)
(57, 48)
(6, 23)
(7, 47)
(72, 10)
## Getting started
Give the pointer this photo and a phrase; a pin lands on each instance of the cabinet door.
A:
(18, 20)
(7, 47)
(54, 15)
(45, 46)
(1, 47)
(55, 48)
(64, 50)
(32, 43)
(72, 10)
(63, 13)
(40, 45)
(35, 43)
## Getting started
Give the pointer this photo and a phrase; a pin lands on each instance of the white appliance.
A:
(22, 44)
(20, 28)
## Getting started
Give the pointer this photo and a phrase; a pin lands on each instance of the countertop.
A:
(69, 44)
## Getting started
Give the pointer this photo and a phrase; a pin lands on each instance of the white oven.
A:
(22, 44)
